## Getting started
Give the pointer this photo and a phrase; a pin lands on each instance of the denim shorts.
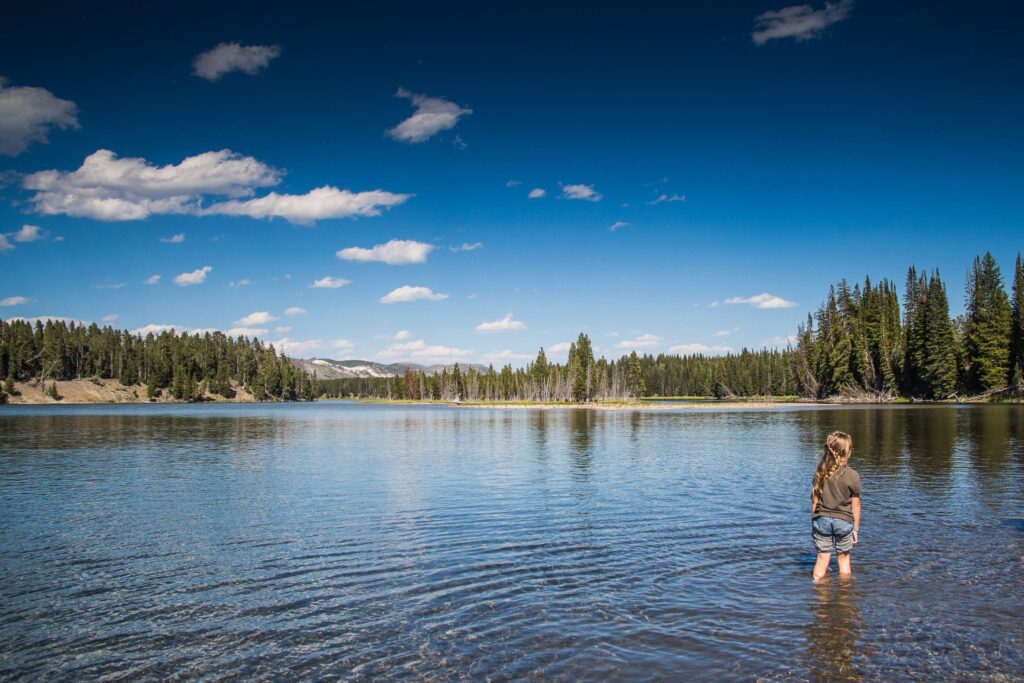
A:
(832, 535)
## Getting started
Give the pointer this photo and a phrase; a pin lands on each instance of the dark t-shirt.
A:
(837, 493)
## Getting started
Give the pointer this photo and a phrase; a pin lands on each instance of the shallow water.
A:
(337, 540)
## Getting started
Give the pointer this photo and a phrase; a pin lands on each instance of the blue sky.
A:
(790, 146)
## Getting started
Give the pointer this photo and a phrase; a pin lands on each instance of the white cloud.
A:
(294, 310)
(109, 188)
(402, 334)
(152, 280)
(506, 324)
(409, 293)
(110, 318)
(722, 333)
(5, 244)
(618, 225)
(561, 347)
(695, 348)
(780, 341)
(296, 347)
(328, 282)
(228, 57)
(342, 344)
(14, 301)
(154, 328)
(255, 318)
(393, 253)
(644, 341)
(305, 209)
(513, 183)
(246, 332)
(580, 191)
(196, 277)
(174, 239)
(467, 246)
(419, 351)
(800, 22)
(763, 300)
(432, 115)
(244, 282)
(29, 233)
(282, 329)
(667, 198)
(537, 193)
(505, 356)
(28, 115)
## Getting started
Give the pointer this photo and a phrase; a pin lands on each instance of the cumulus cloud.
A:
(228, 57)
(580, 191)
(667, 198)
(282, 329)
(328, 282)
(402, 334)
(393, 253)
(29, 233)
(722, 333)
(800, 22)
(408, 293)
(14, 301)
(419, 351)
(505, 324)
(28, 115)
(155, 328)
(5, 244)
(505, 356)
(537, 193)
(618, 225)
(467, 246)
(110, 318)
(561, 347)
(174, 239)
(294, 310)
(432, 115)
(255, 318)
(697, 348)
(152, 280)
(196, 277)
(763, 300)
(644, 341)
(305, 209)
(106, 187)
(297, 347)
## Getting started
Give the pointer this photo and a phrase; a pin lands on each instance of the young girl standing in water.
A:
(835, 505)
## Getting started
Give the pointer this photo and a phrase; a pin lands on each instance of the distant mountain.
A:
(325, 368)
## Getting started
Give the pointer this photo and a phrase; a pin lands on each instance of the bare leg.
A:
(843, 560)
(821, 566)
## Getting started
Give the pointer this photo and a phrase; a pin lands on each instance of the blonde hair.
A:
(834, 457)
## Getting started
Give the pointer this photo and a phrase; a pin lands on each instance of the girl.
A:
(835, 505)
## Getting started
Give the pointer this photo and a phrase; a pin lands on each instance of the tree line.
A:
(862, 342)
(186, 366)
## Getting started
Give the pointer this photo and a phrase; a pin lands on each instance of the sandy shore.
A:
(86, 391)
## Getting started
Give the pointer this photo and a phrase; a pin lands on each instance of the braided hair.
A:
(834, 457)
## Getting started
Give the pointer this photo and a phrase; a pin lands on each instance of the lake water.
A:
(336, 540)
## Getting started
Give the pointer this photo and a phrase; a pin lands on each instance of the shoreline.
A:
(110, 392)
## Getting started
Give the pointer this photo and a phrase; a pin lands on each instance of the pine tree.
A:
(634, 377)
(9, 384)
(939, 371)
(1016, 374)
(989, 325)
(582, 373)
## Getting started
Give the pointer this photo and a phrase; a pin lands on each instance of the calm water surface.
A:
(346, 541)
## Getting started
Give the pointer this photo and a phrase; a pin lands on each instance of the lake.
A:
(340, 540)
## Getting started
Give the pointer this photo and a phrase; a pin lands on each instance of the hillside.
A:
(326, 368)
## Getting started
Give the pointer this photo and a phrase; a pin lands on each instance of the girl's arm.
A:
(855, 504)
(814, 504)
